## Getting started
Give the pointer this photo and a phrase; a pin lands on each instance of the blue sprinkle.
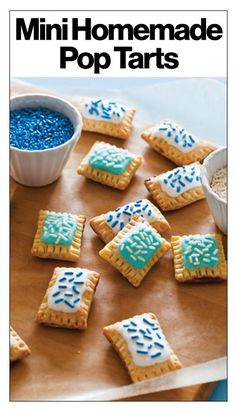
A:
(176, 172)
(39, 129)
(122, 109)
(142, 331)
(115, 223)
(126, 207)
(142, 351)
(62, 279)
(156, 355)
(118, 208)
(79, 274)
(170, 175)
(138, 201)
(109, 218)
(150, 346)
(134, 337)
(139, 343)
(158, 335)
(192, 139)
(178, 189)
(118, 215)
(197, 178)
(172, 185)
(68, 303)
(165, 181)
(176, 139)
(188, 179)
(68, 294)
(62, 286)
(131, 330)
(59, 300)
(56, 293)
(133, 323)
(144, 208)
(78, 282)
(149, 212)
(148, 322)
(156, 328)
(76, 301)
(74, 288)
(162, 128)
(106, 117)
(159, 344)
(147, 337)
(125, 325)
(169, 134)
(148, 331)
(122, 225)
(181, 183)
(69, 273)
(71, 280)
(127, 213)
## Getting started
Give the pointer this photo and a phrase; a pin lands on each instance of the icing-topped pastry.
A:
(176, 188)
(67, 293)
(106, 117)
(110, 165)
(141, 344)
(176, 143)
(58, 235)
(68, 298)
(110, 158)
(18, 348)
(100, 109)
(139, 244)
(176, 135)
(109, 224)
(135, 249)
(180, 179)
(199, 257)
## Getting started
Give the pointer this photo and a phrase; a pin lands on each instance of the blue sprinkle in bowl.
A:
(38, 168)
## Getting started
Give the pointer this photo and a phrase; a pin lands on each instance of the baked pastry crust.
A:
(205, 274)
(77, 319)
(172, 153)
(165, 201)
(56, 251)
(138, 373)
(106, 233)
(19, 349)
(120, 130)
(111, 254)
(119, 181)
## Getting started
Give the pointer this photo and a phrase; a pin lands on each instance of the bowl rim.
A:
(205, 181)
(77, 128)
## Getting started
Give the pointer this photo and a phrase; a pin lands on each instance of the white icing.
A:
(173, 185)
(144, 360)
(13, 341)
(103, 110)
(62, 306)
(118, 218)
(176, 135)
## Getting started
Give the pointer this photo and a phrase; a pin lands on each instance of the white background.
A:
(202, 58)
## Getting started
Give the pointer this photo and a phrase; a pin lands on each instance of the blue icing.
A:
(109, 158)
(59, 228)
(139, 245)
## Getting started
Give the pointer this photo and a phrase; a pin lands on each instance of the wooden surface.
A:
(193, 316)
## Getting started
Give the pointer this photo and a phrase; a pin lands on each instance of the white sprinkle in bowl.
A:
(38, 168)
(217, 205)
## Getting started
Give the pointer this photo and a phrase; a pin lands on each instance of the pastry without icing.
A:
(68, 298)
(176, 143)
(58, 235)
(18, 348)
(108, 225)
(106, 117)
(176, 188)
(142, 346)
(110, 165)
(199, 257)
(135, 249)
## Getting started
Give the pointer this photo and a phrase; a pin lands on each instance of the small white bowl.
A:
(218, 206)
(41, 167)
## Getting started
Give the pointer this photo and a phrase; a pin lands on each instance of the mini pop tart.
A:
(68, 298)
(106, 117)
(142, 346)
(58, 235)
(176, 188)
(110, 165)
(135, 249)
(108, 225)
(199, 257)
(18, 348)
(176, 143)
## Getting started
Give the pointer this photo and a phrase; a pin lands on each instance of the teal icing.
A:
(139, 245)
(59, 229)
(110, 158)
(199, 251)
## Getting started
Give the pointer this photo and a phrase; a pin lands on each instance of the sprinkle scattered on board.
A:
(39, 129)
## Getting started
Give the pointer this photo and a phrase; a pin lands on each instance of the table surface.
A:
(197, 392)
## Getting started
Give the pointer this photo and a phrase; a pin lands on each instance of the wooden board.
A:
(193, 316)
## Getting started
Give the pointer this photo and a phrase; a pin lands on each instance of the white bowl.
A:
(41, 167)
(218, 206)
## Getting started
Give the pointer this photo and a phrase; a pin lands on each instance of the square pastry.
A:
(108, 225)
(110, 165)
(106, 117)
(199, 257)
(142, 346)
(176, 188)
(58, 235)
(135, 249)
(176, 143)
(68, 298)
(18, 348)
